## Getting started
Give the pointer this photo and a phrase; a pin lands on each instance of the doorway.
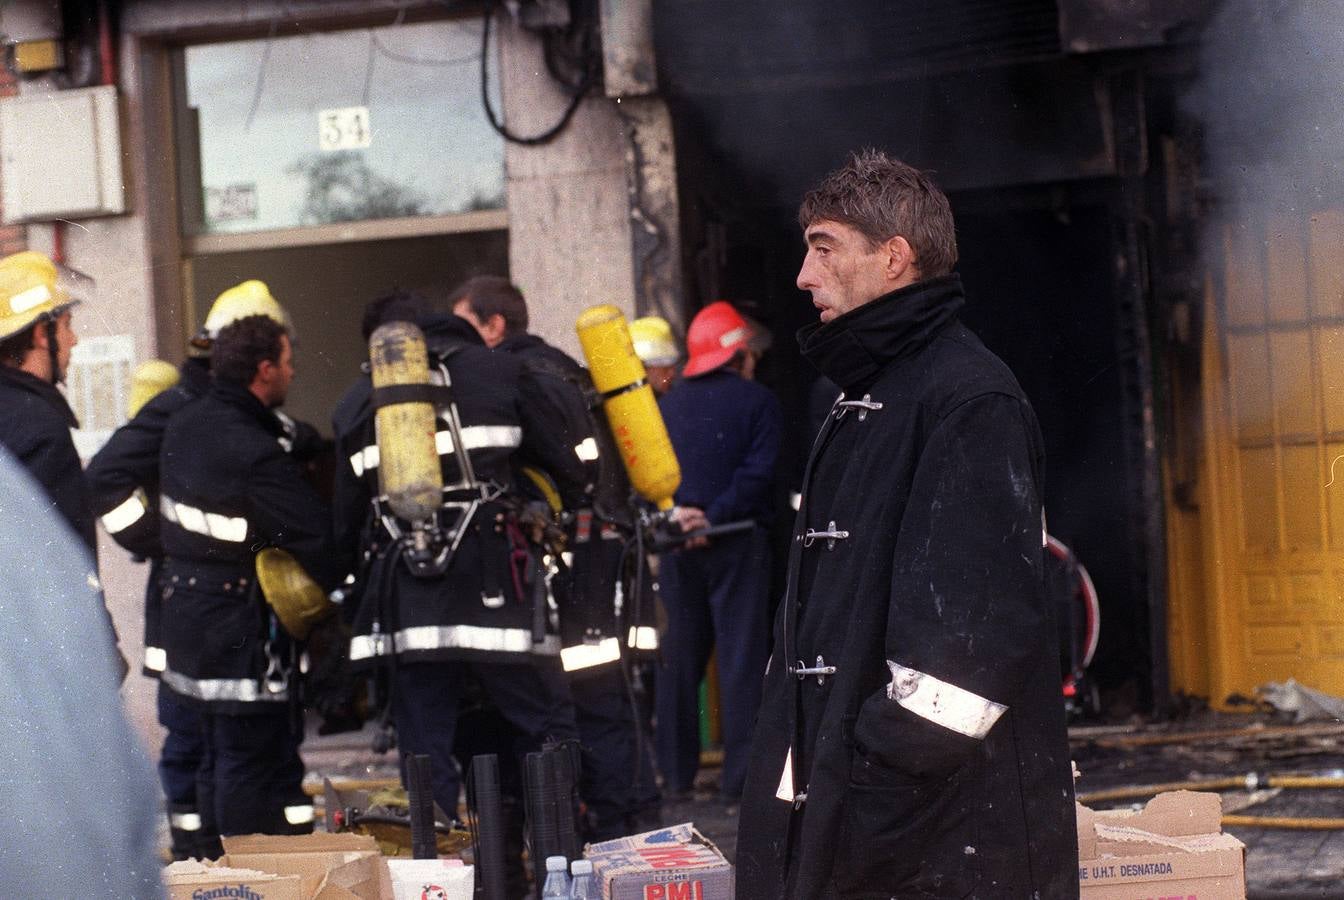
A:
(325, 287)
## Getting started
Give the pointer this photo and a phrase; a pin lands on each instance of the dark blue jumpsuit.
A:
(725, 431)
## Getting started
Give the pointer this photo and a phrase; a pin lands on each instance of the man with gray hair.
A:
(911, 739)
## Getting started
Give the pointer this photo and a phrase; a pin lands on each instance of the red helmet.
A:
(716, 333)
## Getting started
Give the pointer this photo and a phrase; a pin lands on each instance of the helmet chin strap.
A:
(52, 351)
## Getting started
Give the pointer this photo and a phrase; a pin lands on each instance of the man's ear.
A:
(900, 260)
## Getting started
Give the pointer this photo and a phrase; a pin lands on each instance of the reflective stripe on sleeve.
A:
(126, 513)
(451, 637)
(156, 659)
(585, 656)
(954, 708)
(240, 690)
(365, 459)
(474, 437)
(220, 527)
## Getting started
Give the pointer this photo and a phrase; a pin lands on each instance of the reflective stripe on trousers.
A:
(451, 637)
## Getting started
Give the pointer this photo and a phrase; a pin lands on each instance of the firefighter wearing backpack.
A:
(465, 608)
(620, 795)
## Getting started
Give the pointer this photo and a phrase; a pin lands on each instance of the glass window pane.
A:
(339, 126)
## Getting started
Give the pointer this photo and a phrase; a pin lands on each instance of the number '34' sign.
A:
(346, 128)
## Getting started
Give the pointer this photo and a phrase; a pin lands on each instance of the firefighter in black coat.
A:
(229, 488)
(123, 479)
(619, 793)
(36, 338)
(911, 741)
(476, 618)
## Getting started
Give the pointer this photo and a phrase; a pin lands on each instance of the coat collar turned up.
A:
(444, 331)
(26, 381)
(238, 396)
(853, 348)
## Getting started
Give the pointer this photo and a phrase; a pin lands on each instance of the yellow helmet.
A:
(298, 601)
(151, 378)
(33, 288)
(654, 343)
(251, 298)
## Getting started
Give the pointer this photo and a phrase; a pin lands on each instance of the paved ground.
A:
(1280, 862)
(348, 756)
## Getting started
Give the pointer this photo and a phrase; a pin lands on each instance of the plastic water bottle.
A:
(557, 878)
(584, 886)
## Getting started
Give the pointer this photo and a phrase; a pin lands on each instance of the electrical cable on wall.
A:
(579, 91)
(261, 78)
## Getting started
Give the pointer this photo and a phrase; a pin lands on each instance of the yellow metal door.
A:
(1273, 506)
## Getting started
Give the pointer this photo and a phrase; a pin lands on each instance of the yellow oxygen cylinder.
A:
(409, 472)
(630, 405)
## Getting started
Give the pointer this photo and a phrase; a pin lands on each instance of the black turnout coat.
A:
(123, 479)
(228, 488)
(933, 761)
(586, 590)
(478, 609)
(35, 423)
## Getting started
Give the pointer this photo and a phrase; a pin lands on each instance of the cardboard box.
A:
(431, 879)
(310, 866)
(1173, 848)
(330, 866)
(193, 880)
(676, 863)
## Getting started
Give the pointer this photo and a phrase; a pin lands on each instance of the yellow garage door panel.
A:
(1248, 371)
(1260, 511)
(1291, 371)
(1274, 421)
(1307, 597)
(1303, 528)
(1330, 642)
(1260, 600)
(1286, 265)
(1286, 641)
(1326, 259)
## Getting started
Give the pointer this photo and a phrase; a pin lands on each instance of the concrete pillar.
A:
(592, 214)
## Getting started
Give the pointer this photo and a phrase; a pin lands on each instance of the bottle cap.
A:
(556, 864)
(581, 867)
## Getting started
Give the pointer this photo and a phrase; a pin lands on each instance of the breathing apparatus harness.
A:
(423, 533)
(428, 546)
